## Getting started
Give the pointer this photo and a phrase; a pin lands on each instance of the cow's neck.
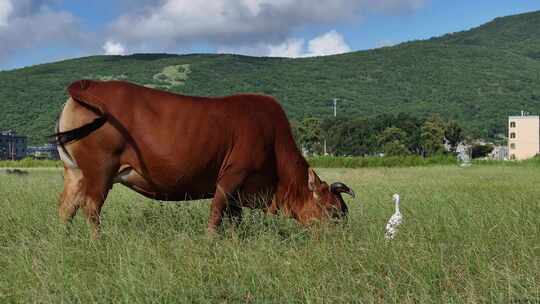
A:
(293, 193)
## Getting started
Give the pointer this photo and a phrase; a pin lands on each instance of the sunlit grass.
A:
(173, 75)
(470, 235)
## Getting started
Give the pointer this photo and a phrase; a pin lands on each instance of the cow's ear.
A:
(313, 180)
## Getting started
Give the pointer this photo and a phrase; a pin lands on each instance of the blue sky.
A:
(39, 31)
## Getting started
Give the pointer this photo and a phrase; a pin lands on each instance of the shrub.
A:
(387, 161)
(29, 163)
(480, 150)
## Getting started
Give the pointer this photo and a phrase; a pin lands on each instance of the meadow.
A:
(470, 235)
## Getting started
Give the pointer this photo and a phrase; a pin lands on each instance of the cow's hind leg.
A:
(73, 194)
(86, 193)
(96, 189)
(92, 211)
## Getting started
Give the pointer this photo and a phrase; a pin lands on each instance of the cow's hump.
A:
(88, 92)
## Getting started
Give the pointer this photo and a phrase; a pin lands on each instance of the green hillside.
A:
(477, 77)
(518, 33)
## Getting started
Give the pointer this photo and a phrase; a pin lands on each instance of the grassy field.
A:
(315, 161)
(471, 235)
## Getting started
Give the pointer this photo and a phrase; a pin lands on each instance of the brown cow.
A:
(172, 147)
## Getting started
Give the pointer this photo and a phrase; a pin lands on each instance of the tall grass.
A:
(387, 161)
(532, 162)
(470, 235)
(318, 161)
(30, 163)
(330, 162)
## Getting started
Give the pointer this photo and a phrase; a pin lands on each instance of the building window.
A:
(513, 124)
(513, 135)
(512, 146)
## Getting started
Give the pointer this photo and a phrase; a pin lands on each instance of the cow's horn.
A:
(341, 188)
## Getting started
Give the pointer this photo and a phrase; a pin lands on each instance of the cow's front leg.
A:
(227, 185)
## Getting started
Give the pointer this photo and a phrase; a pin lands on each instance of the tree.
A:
(480, 150)
(432, 136)
(349, 137)
(454, 135)
(294, 129)
(411, 126)
(310, 135)
(392, 141)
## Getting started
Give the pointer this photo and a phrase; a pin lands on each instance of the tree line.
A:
(385, 134)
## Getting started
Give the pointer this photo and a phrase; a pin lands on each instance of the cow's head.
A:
(325, 200)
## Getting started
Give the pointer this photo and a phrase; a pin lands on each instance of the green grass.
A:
(30, 163)
(471, 235)
(316, 161)
(387, 161)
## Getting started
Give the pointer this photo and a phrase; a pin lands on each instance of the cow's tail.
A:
(69, 136)
(66, 137)
(62, 138)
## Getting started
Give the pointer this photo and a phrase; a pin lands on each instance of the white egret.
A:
(395, 220)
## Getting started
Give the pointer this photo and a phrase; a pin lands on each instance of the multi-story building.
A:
(523, 136)
(12, 146)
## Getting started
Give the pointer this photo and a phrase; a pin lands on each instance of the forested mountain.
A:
(476, 77)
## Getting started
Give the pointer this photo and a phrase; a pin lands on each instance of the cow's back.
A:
(184, 142)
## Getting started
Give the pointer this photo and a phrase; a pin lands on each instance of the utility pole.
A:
(335, 107)
(13, 147)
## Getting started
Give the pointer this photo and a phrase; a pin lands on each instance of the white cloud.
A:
(290, 48)
(114, 48)
(384, 43)
(328, 44)
(28, 24)
(168, 24)
(254, 27)
(6, 8)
